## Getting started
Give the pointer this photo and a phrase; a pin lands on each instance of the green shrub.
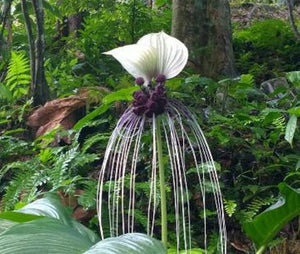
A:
(266, 50)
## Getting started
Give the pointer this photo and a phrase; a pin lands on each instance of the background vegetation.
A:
(250, 121)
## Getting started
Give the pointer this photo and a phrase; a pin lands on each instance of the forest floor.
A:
(247, 13)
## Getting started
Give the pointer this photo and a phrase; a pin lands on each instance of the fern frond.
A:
(88, 198)
(5, 93)
(68, 164)
(230, 207)
(255, 207)
(248, 79)
(258, 203)
(15, 188)
(280, 123)
(18, 76)
(60, 171)
(25, 184)
(100, 137)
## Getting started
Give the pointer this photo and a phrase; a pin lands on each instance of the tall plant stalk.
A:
(261, 250)
(162, 184)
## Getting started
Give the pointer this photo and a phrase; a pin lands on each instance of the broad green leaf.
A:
(51, 206)
(133, 243)
(18, 216)
(45, 235)
(293, 77)
(6, 224)
(267, 224)
(98, 111)
(190, 251)
(290, 129)
(124, 94)
(295, 111)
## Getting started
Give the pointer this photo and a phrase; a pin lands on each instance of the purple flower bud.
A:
(140, 97)
(139, 81)
(160, 89)
(149, 103)
(160, 78)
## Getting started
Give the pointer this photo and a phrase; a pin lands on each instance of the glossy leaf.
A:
(98, 111)
(58, 233)
(124, 94)
(266, 225)
(6, 224)
(295, 111)
(191, 251)
(290, 129)
(18, 217)
(51, 206)
(134, 243)
(42, 235)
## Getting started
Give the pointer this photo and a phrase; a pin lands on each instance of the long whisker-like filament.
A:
(183, 139)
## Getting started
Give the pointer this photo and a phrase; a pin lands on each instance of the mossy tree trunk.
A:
(205, 27)
(39, 87)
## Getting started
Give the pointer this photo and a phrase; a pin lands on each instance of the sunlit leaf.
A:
(83, 121)
(128, 244)
(42, 235)
(295, 111)
(290, 129)
(6, 224)
(18, 217)
(124, 94)
(267, 224)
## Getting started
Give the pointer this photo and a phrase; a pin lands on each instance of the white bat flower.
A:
(163, 130)
(154, 54)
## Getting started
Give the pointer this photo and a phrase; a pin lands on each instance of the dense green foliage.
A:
(253, 133)
(48, 225)
(267, 49)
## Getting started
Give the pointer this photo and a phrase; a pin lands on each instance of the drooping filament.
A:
(185, 147)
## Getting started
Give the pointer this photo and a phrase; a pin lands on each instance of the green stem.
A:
(261, 250)
(162, 184)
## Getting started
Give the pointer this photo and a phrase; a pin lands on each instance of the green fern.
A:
(98, 138)
(88, 198)
(61, 170)
(65, 172)
(248, 79)
(54, 169)
(230, 207)
(255, 207)
(18, 76)
(22, 184)
(5, 93)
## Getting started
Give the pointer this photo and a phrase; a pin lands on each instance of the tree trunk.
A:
(4, 14)
(204, 26)
(39, 90)
(5, 10)
(30, 39)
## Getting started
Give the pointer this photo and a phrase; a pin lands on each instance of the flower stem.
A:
(161, 170)
(261, 250)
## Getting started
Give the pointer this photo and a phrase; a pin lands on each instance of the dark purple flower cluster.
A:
(150, 102)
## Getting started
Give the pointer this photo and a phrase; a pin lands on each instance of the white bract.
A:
(152, 55)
